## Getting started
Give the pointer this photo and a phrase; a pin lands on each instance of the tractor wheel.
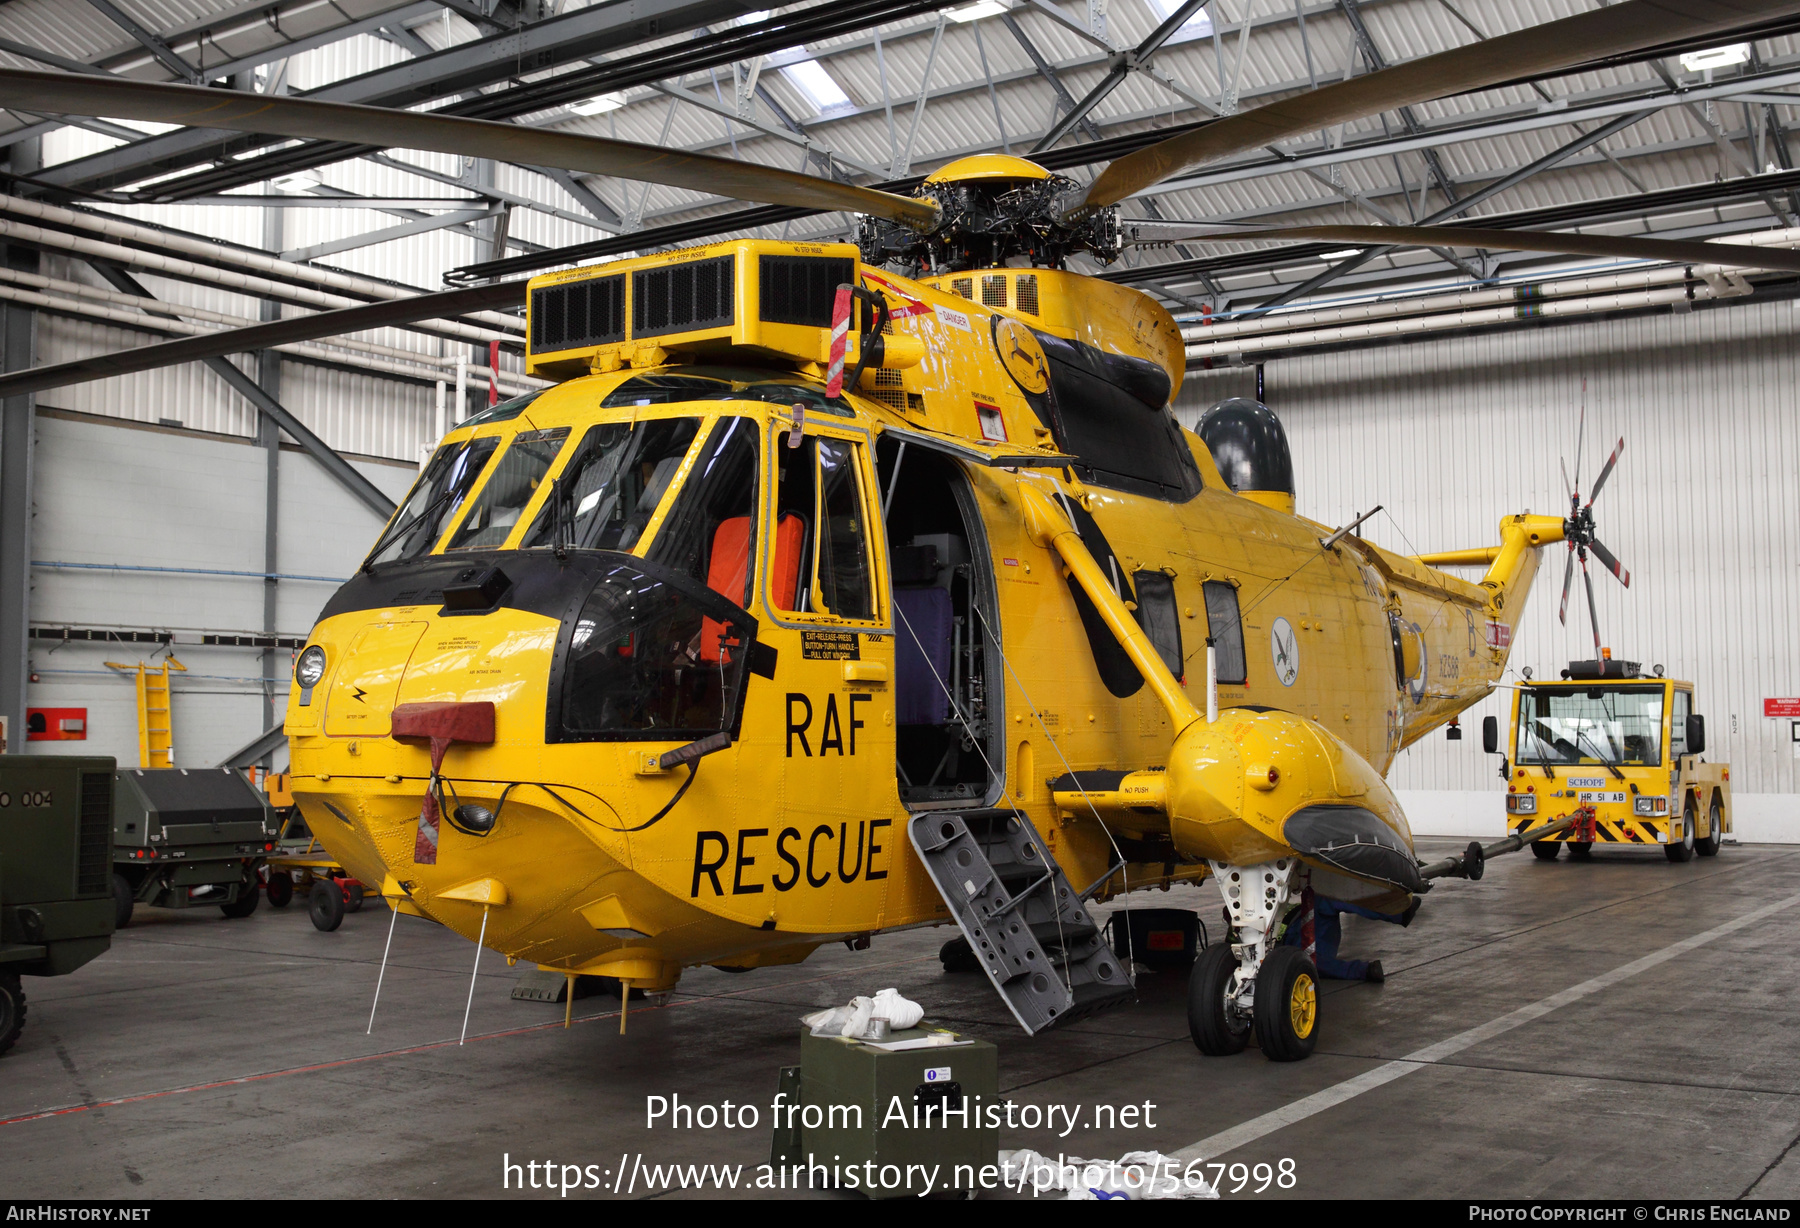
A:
(1545, 850)
(12, 1009)
(245, 904)
(1287, 1005)
(1581, 850)
(353, 897)
(1715, 816)
(1215, 1033)
(123, 902)
(326, 904)
(280, 889)
(1683, 850)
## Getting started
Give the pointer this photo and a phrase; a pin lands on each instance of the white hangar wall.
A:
(108, 491)
(1448, 435)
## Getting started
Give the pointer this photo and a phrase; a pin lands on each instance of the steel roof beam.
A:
(150, 42)
(453, 70)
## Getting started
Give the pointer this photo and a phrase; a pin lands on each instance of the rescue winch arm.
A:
(1050, 528)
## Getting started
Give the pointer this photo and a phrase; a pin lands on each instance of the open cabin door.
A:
(950, 740)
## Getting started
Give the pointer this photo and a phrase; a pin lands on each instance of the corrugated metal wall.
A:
(1704, 509)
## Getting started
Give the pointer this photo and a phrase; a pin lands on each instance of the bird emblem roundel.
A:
(1022, 355)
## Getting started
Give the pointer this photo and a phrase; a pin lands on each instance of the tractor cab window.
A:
(611, 487)
(1679, 710)
(821, 561)
(436, 497)
(515, 483)
(1591, 725)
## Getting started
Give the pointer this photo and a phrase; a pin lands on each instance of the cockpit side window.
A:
(611, 487)
(517, 477)
(709, 533)
(436, 497)
(821, 558)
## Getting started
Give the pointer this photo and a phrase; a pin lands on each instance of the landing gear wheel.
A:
(353, 897)
(1545, 850)
(1215, 1033)
(1287, 1005)
(12, 1010)
(1715, 815)
(123, 902)
(326, 905)
(958, 956)
(1684, 849)
(245, 904)
(280, 889)
(1581, 850)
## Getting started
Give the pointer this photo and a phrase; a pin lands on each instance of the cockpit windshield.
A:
(516, 480)
(1614, 725)
(611, 486)
(449, 476)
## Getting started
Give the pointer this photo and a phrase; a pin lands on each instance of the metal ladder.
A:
(156, 734)
(1033, 935)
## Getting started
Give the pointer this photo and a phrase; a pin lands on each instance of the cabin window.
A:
(707, 535)
(1226, 628)
(436, 497)
(1158, 616)
(1681, 706)
(517, 476)
(611, 486)
(1598, 725)
(820, 492)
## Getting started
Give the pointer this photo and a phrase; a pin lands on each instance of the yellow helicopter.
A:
(838, 589)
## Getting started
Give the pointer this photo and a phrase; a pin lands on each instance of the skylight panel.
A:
(811, 79)
(1198, 26)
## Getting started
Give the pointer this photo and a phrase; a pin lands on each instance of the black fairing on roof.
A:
(1354, 840)
(1249, 446)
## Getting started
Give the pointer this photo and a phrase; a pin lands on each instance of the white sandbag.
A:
(853, 1020)
(898, 1011)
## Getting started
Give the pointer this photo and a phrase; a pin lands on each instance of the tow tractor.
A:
(1618, 750)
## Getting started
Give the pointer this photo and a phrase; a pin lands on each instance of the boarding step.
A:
(1032, 934)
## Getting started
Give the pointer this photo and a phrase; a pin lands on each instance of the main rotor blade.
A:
(1568, 486)
(1537, 51)
(278, 115)
(1593, 610)
(261, 336)
(1610, 563)
(1676, 251)
(1606, 472)
(1562, 611)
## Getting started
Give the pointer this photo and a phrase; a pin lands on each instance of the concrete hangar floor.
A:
(1621, 1028)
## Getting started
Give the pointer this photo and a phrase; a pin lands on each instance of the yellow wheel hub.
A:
(1303, 1006)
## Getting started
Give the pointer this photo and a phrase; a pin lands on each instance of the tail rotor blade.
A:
(1610, 562)
(1580, 435)
(1562, 611)
(1605, 472)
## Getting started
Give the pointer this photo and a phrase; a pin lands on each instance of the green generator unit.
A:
(56, 908)
(882, 1112)
(186, 837)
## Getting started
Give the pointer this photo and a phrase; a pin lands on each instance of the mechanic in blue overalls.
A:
(1328, 931)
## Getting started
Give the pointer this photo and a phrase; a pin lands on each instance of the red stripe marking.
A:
(840, 329)
(115, 1102)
